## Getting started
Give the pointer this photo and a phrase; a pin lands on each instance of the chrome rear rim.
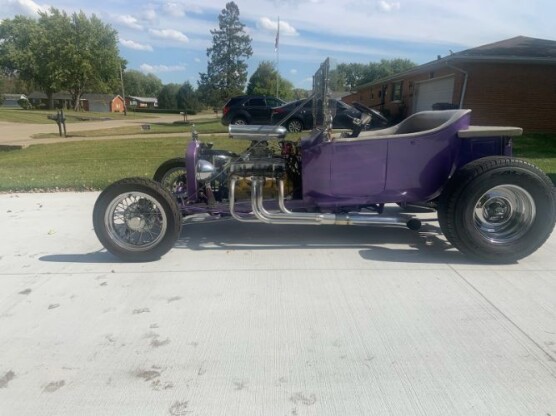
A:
(504, 214)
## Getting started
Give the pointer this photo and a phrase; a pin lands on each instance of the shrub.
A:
(24, 103)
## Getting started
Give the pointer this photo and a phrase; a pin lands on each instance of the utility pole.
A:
(123, 91)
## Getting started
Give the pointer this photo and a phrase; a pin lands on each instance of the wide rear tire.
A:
(498, 209)
(137, 220)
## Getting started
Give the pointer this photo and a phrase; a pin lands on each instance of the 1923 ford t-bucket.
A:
(491, 206)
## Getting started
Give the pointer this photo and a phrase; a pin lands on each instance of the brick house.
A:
(512, 82)
(59, 99)
(141, 102)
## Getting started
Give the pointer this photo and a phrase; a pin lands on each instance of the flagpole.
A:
(277, 48)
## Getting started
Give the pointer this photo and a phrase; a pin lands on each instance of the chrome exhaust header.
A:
(285, 216)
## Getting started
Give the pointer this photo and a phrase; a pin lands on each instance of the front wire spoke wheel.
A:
(135, 221)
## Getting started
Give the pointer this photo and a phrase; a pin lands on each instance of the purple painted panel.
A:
(368, 171)
(316, 171)
(358, 168)
(419, 167)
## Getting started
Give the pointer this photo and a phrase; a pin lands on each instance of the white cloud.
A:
(135, 45)
(11, 8)
(128, 21)
(272, 26)
(197, 60)
(388, 6)
(169, 34)
(149, 15)
(293, 71)
(147, 68)
(174, 9)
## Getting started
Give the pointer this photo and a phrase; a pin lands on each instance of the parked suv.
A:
(250, 109)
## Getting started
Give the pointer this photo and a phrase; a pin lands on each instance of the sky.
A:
(169, 38)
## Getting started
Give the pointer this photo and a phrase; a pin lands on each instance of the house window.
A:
(397, 91)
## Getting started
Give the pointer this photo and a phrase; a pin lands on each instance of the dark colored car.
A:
(303, 118)
(250, 109)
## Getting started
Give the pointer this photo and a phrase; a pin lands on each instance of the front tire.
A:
(136, 219)
(498, 209)
(172, 175)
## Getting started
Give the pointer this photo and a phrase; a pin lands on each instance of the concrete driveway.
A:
(249, 319)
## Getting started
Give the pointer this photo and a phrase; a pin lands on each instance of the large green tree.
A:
(226, 74)
(141, 85)
(187, 98)
(61, 52)
(22, 53)
(167, 97)
(265, 81)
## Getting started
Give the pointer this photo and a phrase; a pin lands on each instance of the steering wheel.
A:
(372, 112)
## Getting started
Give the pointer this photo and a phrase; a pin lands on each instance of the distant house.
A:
(141, 102)
(512, 82)
(11, 100)
(40, 100)
(102, 103)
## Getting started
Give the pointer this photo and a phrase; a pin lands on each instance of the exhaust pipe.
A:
(302, 218)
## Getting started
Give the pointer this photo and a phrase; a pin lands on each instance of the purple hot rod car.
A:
(491, 206)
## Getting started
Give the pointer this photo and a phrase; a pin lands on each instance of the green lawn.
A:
(95, 164)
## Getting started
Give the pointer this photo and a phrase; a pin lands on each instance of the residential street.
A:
(255, 319)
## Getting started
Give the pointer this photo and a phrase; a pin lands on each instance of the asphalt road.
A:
(249, 319)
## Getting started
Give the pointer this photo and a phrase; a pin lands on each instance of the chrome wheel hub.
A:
(504, 213)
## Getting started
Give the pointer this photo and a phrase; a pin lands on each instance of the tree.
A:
(263, 82)
(348, 76)
(61, 52)
(22, 53)
(167, 97)
(187, 98)
(141, 85)
(91, 60)
(226, 74)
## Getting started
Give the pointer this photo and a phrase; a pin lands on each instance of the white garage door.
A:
(433, 91)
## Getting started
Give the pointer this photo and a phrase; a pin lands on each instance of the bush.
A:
(24, 103)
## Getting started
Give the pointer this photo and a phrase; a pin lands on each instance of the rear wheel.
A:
(498, 209)
(136, 219)
(294, 125)
(240, 121)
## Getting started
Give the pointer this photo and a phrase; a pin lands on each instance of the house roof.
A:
(56, 96)
(14, 96)
(143, 99)
(519, 49)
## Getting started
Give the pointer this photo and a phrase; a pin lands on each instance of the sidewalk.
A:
(20, 135)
